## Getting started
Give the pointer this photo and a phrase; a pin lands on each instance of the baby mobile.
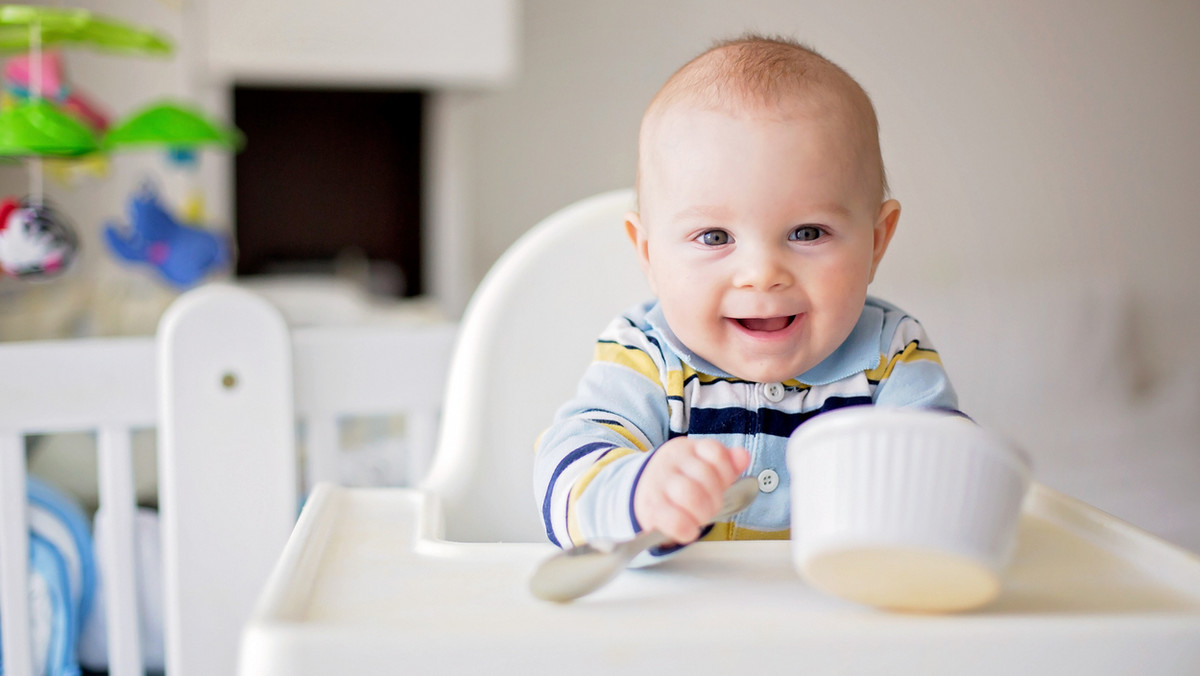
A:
(44, 118)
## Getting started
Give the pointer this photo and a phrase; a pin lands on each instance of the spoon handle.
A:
(647, 539)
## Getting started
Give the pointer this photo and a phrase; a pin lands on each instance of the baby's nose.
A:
(763, 269)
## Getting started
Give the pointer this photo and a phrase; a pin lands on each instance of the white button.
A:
(774, 392)
(768, 481)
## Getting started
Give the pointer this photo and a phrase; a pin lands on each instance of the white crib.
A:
(227, 384)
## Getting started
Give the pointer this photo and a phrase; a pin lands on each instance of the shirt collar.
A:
(658, 322)
(858, 353)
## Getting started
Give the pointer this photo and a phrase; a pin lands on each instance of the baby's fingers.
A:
(728, 463)
(678, 525)
(699, 500)
(684, 510)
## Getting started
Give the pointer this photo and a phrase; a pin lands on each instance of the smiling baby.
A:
(763, 213)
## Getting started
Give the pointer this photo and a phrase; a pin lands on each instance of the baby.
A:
(763, 214)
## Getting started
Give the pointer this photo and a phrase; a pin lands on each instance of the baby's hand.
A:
(682, 486)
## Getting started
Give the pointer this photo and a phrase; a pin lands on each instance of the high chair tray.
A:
(361, 588)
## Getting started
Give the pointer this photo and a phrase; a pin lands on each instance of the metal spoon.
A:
(574, 572)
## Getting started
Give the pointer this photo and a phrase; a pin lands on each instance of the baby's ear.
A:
(633, 226)
(885, 227)
(637, 235)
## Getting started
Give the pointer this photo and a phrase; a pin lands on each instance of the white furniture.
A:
(366, 586)
(436, 579)
(382, 561)
(226, 381)
(367, 42)
(450, 49)
(534, 319)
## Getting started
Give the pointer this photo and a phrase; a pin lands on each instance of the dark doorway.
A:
(326, 175)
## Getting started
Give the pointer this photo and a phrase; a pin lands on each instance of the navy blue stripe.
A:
(734, 420)
(906, 346)
(637, 527)
(562, 466)
(780, 424)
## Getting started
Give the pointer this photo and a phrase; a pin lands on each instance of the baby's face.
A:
(759, 234)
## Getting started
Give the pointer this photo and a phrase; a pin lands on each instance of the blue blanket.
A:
(62, 578)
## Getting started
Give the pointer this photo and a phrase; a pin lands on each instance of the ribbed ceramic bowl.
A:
(905, 509)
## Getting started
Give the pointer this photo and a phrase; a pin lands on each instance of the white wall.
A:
(1024, 139)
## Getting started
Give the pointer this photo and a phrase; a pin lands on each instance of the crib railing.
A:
(226, 384)
(105, 386)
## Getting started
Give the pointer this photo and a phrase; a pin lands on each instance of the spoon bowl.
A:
(578, 571)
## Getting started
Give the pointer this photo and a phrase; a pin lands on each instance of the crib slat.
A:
(14, 557)
(117, 551)
(322, 451)
(420, 436)
(370, 371)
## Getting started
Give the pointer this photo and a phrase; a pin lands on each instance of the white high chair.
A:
(435, 580)
(525, 340)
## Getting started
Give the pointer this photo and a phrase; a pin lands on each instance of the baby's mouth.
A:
(766, 324)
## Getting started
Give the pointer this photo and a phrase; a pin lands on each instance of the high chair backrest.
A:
(525, 339)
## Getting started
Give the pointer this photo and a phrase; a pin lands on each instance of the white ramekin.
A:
(904, 508)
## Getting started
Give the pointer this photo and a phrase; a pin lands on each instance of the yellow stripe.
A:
(581, 484)
(627, 435)
(728, 531)
(675, 381)
(706, 379)
(911, 353)
(630, 357)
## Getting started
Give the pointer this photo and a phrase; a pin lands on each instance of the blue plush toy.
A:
(182, 254)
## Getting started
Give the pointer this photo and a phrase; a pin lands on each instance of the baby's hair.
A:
(751, 68)
(766, 71)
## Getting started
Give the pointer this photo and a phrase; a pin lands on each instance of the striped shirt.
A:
(644, 388)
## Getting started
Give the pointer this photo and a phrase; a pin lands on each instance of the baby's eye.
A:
(805, 233)
(715, 237)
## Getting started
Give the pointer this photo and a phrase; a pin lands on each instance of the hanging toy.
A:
(35, 241)
(183, 255)
(21, 71)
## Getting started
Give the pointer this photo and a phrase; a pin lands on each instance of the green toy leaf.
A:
(19, 24)
(39, 128)
(173, 125)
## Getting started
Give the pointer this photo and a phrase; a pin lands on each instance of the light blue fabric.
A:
(62, 577)
(636, 396)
